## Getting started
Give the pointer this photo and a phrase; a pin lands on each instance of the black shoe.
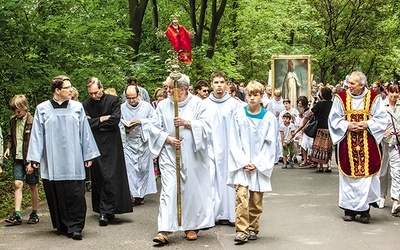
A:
(375, 205)
(33, 218)
(76, 236)
(103, 220)
(348, 218)
(110, 216)
(15, 219)
(364, 217)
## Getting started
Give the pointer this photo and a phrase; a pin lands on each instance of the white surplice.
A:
(276, 108)
(253, 140)
(61, 155)
(139, 162)
(220, 113)
(357, 193)
(197, 207)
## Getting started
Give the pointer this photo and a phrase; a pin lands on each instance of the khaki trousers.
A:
(248, 210)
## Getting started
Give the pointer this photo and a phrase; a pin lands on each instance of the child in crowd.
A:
(276, 107)
(253, 134)
(276, 104)
(295, 119)
(19, 135)
(295, 115)
(286, 129)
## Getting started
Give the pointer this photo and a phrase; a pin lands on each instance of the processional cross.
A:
(179, 38)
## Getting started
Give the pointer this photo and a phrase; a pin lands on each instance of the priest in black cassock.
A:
(110, 188)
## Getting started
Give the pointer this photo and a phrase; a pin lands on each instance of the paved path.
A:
(300, 213)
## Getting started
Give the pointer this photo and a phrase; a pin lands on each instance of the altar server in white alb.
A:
(194, 130)
(220, 107)
(253, 138)
(62, 144)
(136, 119)
(357, 123)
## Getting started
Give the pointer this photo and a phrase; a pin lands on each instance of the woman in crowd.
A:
(390, 150)
(305, 141)
(159, 95)
(322, 146)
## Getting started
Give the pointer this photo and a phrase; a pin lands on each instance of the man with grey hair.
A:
(357, 123)
(194, 131)
(110, 189)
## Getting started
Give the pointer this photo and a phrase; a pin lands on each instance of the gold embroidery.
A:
(357, 141)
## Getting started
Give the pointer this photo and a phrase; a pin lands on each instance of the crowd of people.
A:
(213, 144)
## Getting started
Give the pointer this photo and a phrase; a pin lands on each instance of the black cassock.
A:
(110, 188)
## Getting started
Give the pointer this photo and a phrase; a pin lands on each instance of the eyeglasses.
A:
(205, 90)
(67, 87)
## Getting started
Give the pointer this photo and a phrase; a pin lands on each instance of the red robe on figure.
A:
(180, 40)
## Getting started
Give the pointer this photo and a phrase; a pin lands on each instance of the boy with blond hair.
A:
(253, 136)
(17, 148)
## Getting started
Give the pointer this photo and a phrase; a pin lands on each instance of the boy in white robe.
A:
(220, 107)
(254, 134)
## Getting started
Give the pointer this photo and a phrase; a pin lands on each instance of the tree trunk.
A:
(154, 16)
(235, 40)
(198, 27)
(136, 14)
(216, 18)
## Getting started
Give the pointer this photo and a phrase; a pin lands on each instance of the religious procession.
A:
(208, 147)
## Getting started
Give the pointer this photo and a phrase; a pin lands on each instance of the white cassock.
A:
(220, 113)
(139, 162)
(253, 140)
(277, 107)
(197, 207)
(357, 193)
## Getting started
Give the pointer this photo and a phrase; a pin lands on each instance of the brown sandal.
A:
(161, 240)
(191, 235)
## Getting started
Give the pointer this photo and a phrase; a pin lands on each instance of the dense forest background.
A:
(115, 39)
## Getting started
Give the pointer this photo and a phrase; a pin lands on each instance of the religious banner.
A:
(292, 75)
(179, 38)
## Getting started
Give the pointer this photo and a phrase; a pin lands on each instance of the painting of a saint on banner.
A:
(292, 75)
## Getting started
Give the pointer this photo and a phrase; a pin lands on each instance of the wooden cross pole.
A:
(175, 75)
